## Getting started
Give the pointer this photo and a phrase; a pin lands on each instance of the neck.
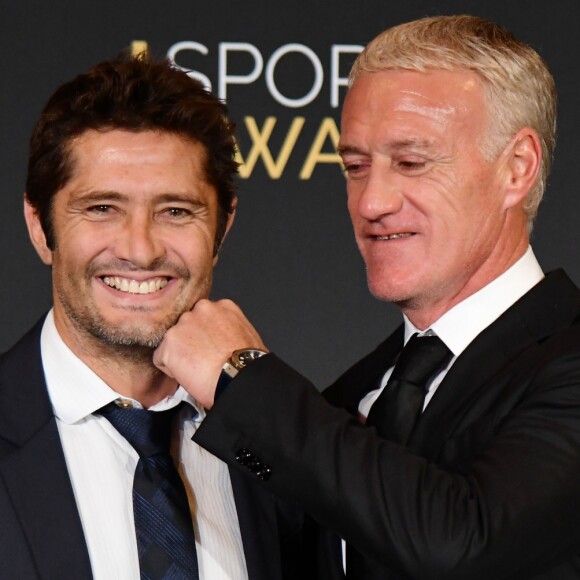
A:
(136, 379)
(128, 370)
(424, 313)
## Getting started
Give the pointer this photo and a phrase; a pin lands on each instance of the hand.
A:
(194, 351)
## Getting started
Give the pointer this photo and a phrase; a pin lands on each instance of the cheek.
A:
(77, 240)
(354, 190)
(76, 258)
(446, 208)
(198, 254)
(68, 269)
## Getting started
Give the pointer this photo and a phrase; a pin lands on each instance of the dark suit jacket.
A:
(40, 529)
(489, 485)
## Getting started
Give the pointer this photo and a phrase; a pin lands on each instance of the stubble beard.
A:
(130, 342)
(133, 341)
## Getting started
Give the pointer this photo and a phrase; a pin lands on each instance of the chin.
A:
(131, 330)
(149, 337)
(383, 288)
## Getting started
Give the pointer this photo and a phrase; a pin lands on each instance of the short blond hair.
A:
(519, 88)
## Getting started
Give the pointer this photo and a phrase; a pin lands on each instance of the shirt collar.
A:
(460, 325)
(78, 392)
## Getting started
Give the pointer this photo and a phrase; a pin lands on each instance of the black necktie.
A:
(165, 537)
(398, 407)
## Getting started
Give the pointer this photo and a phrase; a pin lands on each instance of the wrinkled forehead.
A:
(441, 92)
(410, 105)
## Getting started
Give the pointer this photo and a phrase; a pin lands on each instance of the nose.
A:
(376, 196)
(138, 242)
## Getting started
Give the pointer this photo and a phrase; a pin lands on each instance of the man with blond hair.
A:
(458, 455)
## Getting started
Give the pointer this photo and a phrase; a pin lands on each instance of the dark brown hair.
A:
(134, 94)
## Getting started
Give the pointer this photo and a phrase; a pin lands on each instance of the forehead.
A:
(142, 165)
(436, 98)
(140, 148)
(107, 145)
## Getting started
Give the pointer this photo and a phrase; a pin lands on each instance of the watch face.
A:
(241, 358)
(247, 356)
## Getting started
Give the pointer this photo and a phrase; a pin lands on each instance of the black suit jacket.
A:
(489, 485)
(40, 530)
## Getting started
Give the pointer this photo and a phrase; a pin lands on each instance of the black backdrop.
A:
(290, 260)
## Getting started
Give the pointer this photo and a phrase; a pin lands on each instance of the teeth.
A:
(393, 237)
(135, 287)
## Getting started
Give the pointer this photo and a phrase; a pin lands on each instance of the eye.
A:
(354, 168)
(100, 209)
(175, 214)
(411, 166)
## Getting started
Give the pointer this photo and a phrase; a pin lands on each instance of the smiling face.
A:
(134, 227)
(434, 219)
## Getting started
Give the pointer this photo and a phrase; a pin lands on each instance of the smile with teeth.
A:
(134, 286)
(393, 236)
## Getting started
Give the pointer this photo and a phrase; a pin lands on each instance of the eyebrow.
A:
(399, 145)
(106, 195)
(180, 197)
(348, 149)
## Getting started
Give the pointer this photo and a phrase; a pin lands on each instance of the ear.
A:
(229, 223)
(524, 159)
(36, 233)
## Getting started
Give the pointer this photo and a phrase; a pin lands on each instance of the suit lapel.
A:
(33, 466)
(363, 377)
(37, 481)
(548, 307)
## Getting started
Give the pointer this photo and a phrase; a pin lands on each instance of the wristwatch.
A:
(239, 360)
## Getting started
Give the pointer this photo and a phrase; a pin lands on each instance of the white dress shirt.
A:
(460, 325)
(101, 465)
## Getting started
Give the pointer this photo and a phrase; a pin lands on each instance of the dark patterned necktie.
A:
(398, 407)
(165, 537)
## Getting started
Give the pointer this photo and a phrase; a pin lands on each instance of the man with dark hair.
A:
(468, 462)
(130, 192)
